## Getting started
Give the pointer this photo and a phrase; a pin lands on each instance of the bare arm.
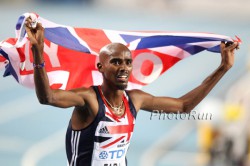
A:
(58, 98)
(188, 101)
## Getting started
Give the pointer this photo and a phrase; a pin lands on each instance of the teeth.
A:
(122, 76)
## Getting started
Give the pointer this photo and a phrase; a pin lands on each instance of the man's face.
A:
(117, 67)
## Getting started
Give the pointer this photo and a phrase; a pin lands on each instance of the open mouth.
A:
(122, 78)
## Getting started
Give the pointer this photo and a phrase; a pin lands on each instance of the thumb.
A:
(222, 45)
(30, 35)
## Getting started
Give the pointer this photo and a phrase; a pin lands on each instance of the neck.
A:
(113, 95)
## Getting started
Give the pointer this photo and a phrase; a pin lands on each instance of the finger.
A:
(222, 45)
(238, 46)
(28, 21)
(28, 30)
(39, 26)
(233, 46)
(30, 35)
(229, 43)
(39, 29)
(28, 27)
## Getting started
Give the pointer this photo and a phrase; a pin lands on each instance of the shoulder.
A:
(138, 97)
(85, 92)
(137, 93)
(134, 92)
(89, 96)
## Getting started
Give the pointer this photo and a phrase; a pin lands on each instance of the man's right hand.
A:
(35, 35)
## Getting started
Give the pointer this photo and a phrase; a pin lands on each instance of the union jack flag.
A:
(71, 53)
(122, 127)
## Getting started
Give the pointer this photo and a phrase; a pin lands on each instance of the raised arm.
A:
(58, 98)
(188, 101)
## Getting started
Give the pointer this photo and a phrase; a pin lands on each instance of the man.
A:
(103, 120)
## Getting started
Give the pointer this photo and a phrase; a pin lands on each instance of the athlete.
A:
(103, 119)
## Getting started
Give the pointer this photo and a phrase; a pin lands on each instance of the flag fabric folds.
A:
(71, 53)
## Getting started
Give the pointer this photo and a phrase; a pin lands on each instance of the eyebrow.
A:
(121, 59)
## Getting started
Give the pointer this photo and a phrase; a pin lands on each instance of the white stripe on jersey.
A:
(75, 137)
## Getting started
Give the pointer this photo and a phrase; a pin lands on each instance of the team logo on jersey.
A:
(104, 130)
(103, 155)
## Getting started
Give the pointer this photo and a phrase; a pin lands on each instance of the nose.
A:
(123, 67)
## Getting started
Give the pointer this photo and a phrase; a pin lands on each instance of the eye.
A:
(129, 62)
(116, 62)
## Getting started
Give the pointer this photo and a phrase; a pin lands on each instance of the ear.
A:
(99, 67)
